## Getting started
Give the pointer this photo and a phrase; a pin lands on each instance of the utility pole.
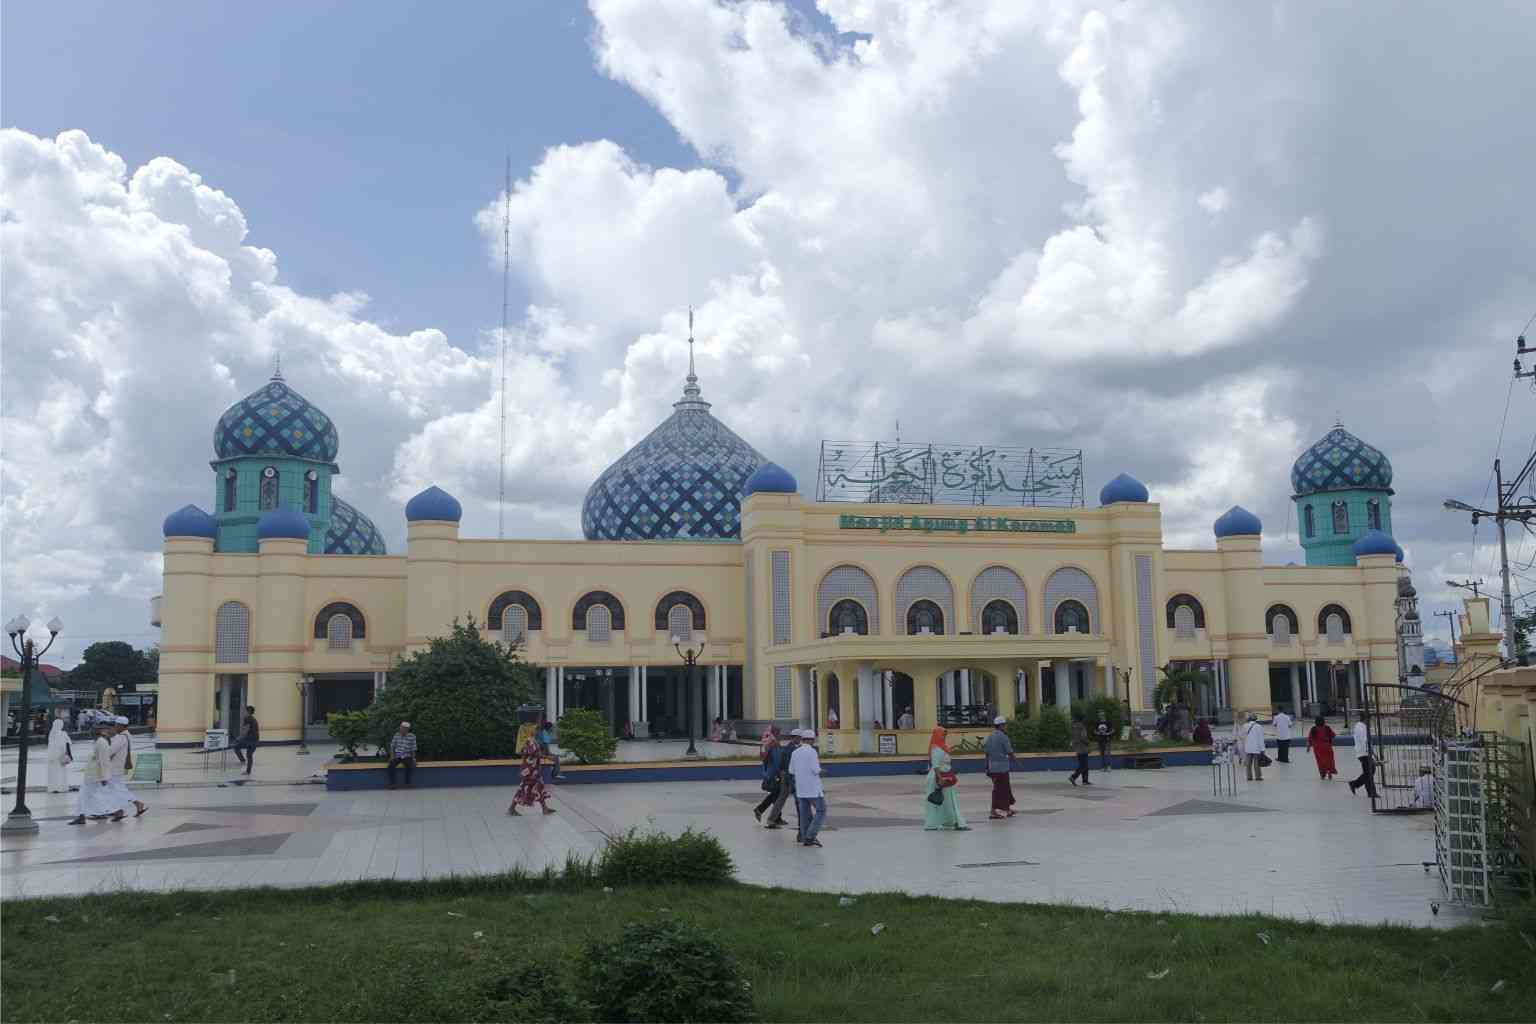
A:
(1451, 618)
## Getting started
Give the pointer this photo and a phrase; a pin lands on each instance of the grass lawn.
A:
(431, 951)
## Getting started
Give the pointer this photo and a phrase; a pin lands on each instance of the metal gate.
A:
(1407, 726)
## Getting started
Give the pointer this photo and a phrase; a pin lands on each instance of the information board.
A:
(216, 739)
(887, 743)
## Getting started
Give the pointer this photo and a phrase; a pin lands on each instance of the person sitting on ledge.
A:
(402, 750)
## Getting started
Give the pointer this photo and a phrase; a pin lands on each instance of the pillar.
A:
(965, 687)
(278, 639)
(710, 680)
(1242, 564)
(1107, 679)
(1037, 701)
(1062, 674)
(1355, 692)
(1295, 691)
(185, 704)
(803, 690)
(867, 706)
(551, 699)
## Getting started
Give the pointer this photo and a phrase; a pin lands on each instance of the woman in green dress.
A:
(941, 780)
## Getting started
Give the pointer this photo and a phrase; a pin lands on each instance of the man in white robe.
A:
(121, 757)
(59, 756)
(96, 800)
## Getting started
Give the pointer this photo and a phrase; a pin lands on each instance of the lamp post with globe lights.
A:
(303, 684)
(690, 656)
(20, 818)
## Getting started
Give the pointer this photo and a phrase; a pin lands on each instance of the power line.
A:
(506, 265)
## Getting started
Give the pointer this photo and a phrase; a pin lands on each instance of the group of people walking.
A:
(1252, 742)
(792, 768)
(104, 783)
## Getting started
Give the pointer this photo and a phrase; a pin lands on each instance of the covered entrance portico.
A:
(851, 687)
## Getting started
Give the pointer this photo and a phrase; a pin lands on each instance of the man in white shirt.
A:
(906, 721)
(1253, 748)
(1283, 736)
(121, 745)
(805, 766)
(1424, 789)
(1366, 778)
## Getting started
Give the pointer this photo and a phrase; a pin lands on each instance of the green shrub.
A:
(665, 971)
(1025, 733)
(655, 858)
(1052, 731)
(1113, 710)
(460, 695)
(585, 733)
(349, 728)
(537, 992)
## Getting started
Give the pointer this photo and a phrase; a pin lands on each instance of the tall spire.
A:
(691, 394)
(277, 367)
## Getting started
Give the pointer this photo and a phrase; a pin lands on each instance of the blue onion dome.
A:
(1400, 553)
(770, 478)
(1237, 522)
(351, 532)
(282, 523)
(683, 481)
(276, 420)
(190, 521)
(433, 505)
(1341, 462)
(1123, 488)
(1374, 542)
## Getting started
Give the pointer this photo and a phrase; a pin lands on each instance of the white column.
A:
(807, 700)
(866, 676)
(551, 675)
(1063, 673)
(560, 690)
(889, 686)
(634, 694)
(710, 680)
(1295, 690)
(1042, 668)
(1107, 678)
(965, 686)
(725, 698)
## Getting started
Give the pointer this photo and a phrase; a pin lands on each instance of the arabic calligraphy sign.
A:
(949, 474)
(934, 524)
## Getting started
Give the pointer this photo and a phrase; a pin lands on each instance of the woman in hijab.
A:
(941, 809)
(59, 757)
(1320, 742)
(531, 790)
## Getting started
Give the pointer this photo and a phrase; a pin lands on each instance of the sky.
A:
(1184, 238)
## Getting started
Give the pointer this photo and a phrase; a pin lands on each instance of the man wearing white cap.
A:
(122, 764)
(96, 799)
(999, 750)
(810, 798)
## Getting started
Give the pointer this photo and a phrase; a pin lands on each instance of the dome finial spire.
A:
(277, 367)
(691, 392)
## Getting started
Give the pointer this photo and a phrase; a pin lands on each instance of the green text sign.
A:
(939, 524)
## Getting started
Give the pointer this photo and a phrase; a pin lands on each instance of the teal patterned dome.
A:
(276, 420)
(1341, 462)
(351, 532)
(682, 482)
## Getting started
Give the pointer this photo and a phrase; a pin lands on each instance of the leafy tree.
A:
(1179, 684)
(1524, 625)
(116, 664)
(585, 733)
(460, 695)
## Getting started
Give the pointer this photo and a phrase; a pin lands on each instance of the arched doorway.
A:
(903, 700)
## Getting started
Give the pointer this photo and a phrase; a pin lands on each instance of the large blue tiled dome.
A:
(351, 532)
(275, 420)
(682, 482)
(1341, 462)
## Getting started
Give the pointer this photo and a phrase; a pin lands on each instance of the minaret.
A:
(1410, 634)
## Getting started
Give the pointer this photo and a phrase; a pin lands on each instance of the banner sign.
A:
(939, 524)
(949, 474)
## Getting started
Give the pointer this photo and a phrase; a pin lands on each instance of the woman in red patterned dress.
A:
(531, 790)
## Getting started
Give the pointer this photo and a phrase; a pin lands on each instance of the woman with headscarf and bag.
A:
(59, 757)
(942, 809)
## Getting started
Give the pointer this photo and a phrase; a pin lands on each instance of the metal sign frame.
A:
(933, 473)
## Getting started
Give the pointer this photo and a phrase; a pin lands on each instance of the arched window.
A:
(1333, 623)
(597, 599)
(1308, 521)
(1071, 617)
(1280, 623)
(680, 623)
(999, 617)
(925, 617)
(533, 615)
(232, 634)
(1340, 517)
(1373, 514)
(1191, 605)
(692, 606)
(599, 623)
(229, 489)
(312, 492)
(848, 616)
(849, 581)
(1184, 622)
(998, 582)
(926, 584)
(514, 624)
(1071, 583)
(338, 633)
(357, 630)
(269, 481)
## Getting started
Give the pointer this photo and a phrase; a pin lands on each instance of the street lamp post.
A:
(20, 818)
(303, 684)
(690, 656)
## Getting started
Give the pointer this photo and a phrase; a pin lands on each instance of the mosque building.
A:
(957, 603)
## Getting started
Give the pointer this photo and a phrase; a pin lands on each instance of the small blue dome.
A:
(1374, 542)
(1400, 554)
(190, 521)
(1123, 488)
(1238, 522)
(433, 504)
(282, 523)
(770, 478)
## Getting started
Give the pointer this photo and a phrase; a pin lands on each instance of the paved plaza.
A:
(1150, 840)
